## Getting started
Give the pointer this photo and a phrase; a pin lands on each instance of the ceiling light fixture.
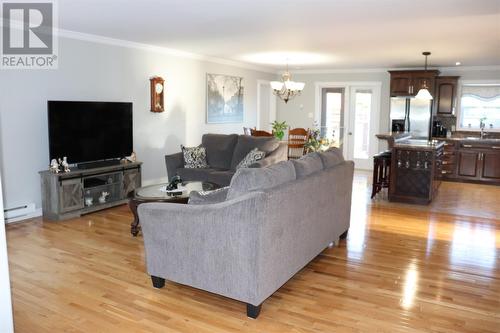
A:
(286, 89)
(424, 93)
(458, 63)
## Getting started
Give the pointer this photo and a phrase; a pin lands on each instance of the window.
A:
(480, 101)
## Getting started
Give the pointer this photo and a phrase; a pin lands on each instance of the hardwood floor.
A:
(402, 269)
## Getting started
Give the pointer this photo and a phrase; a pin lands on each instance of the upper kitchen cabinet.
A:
(446, 95)
(408, 83)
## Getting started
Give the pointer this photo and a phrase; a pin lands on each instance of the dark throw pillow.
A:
(194, 157)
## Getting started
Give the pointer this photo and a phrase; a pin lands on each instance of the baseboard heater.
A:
(21, 212)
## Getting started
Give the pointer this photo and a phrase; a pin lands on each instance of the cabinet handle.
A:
(480, 156)
(495, 147)
(467, 146)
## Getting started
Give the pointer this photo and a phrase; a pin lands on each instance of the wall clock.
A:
(157, 92)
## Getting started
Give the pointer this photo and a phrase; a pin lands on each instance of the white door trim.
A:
(347, 85)
(272, 103)
(6, 322)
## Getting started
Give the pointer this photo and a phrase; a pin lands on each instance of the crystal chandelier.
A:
(286, 89)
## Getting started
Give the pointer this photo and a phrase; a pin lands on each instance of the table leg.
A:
(134, 226)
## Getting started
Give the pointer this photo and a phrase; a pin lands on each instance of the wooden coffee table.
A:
(156, 193)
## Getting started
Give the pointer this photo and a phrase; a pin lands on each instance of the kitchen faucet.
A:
(482, 125)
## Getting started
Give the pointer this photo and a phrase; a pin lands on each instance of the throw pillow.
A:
(258, 179)
(208, 197)
(253, 156)
(307, 165)
(194, 157)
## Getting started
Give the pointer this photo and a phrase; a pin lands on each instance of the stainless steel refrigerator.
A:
(417, 114)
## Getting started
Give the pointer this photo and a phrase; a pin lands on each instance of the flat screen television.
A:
(89, 131)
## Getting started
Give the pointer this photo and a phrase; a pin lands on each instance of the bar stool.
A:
(381, 171)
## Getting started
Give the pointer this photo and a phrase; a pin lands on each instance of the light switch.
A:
(310, 115)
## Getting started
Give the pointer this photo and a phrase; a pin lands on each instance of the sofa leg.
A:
(158, 282)
(253, 311)
(344, 235)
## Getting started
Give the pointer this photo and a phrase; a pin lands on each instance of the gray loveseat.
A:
(224, 152)
(257, 233)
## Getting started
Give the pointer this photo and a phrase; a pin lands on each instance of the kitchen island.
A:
(415, 170)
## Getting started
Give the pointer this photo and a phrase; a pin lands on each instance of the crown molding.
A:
(471, 68)
(384, 70)
(158, 49)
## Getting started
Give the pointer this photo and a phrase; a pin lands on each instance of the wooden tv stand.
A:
(64, 194)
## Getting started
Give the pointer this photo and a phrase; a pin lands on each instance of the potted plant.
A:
(279, 129)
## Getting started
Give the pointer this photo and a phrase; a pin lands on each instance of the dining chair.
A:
(256, 132)
(297, 139)
(247, 130)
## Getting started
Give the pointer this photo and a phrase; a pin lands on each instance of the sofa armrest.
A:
(211, 247)
(278, 155)
(173, 162)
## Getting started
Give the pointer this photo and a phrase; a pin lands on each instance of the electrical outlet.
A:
(310, 115)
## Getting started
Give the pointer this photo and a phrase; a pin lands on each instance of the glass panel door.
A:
(363, 117)
(332, 115)
(362, 110)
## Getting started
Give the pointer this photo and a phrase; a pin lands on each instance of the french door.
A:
(351, 112)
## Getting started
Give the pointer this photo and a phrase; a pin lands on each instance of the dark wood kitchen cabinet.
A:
(479, 163)
(491, 165)
(468, 162)
(471, 161)
(446, 95)
(408, 83)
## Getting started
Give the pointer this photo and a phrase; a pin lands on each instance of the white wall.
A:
(296, 111)
(99, 72)
(6, 325)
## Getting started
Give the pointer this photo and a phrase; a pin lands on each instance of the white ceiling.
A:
(312, 34)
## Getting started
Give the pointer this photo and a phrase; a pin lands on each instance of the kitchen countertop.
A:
(423, 145)
(472, 139)
(393, 135)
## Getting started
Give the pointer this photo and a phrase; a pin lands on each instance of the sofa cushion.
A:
(253, 156)
(220, 148)
(332, 157)
(194, 174)
(194, 157)
(307, 164)
(220, 177)
(254, 179)
(247, 143)
(209, 197)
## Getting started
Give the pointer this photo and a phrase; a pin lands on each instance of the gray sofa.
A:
(247, 240)
(224, 152)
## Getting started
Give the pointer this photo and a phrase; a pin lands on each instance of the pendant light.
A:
(424, 93)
